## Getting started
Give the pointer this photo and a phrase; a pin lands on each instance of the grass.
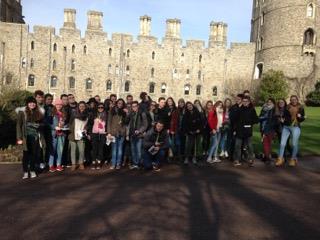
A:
(310, 134)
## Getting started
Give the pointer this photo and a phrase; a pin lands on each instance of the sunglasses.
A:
(100, 107)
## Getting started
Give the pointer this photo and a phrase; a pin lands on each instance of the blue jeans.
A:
(215, 140)
(223, 141)
(57, 150)
(117, 151)
(295, 135)
(149, 160)
(136, 145)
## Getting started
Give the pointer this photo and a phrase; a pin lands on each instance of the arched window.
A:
(214, 91)
(309, 37)
(200, 58)
(153, 55)
(188, 74)
(163, 88)
(128, 53)
(262, 18)
(32, 45)
(88, 84)
(198, 90)
(110, 52)
(31, 80)
(127, 86)
(31, 63)
(117, 70)
(55, 47)
(73, 49)
(187, 89)
(260, 43)
(109, 85)
(151, 87)
(110, 69)
(85, 49)
(310, 10)
(199, 75)
(258, 71)
(128, 70)
(53, 82)
(72, 82)
(73, 64)
(54, 65)
(23, 62)
(152, 72)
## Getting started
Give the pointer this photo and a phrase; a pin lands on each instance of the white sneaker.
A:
(25, 175)
(226, 154)
(209, 160)
(194, 160)
(33, 175)
(222, 154)
(216, 160)
(42, 166)
(186, 161)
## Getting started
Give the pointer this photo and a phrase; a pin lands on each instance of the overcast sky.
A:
(123, 15)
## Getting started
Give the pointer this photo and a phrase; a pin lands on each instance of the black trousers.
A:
(32, 156)
(98, 142)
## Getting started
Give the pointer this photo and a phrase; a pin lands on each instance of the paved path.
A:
(179, 203)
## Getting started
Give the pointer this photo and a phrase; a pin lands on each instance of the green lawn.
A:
(310, 135)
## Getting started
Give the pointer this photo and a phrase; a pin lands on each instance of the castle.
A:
(283, 38)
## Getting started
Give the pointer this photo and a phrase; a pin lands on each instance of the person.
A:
(180, 137)
(152, 115)
(116, 126)
(226, 133)
(29, 134)
(163, 113)
(216, 119)
(268, 124)
(48, 118)
(91, 111)
(97, 132)
(155, 145)
(173, 118)
(58, 134)
(291, 127)
(39, 96)
(73, 105)
(145, 102)
(129, 99)
(192, 128)
(137, 127)
(207, 131)
(204, 122)
(77, 134)
(97, 98)
(246, 117)
(66, 161)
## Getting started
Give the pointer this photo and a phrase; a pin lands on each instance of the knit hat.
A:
(30, 100)
(57, 102)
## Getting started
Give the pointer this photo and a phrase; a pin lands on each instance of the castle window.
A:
(182, 55)
(127, 86)
(65, 49)
(310, 10)
(53, 82)
(31, 63)
(31, 80)
(200, 58)
(24, 62)
(117, 70)
(54, 65)
(175, 73)
(199, 75)
(163, 88)
(109, 85)
(88, 84)
(260, 43)
(151, 87)
(110, 69)
(55, 47)
(186, 89)
(258, 71)
(152, 72)
(85, 50)
(198, 90)
(73, 49)
(73, 64)
(153, 55)
(128, 53)
(214, 91)
(262, 18)
(110, 52)
(32, 45)
(128, 70)
(309, 37)
(72, 82)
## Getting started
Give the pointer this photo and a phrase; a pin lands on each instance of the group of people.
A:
(60, 133)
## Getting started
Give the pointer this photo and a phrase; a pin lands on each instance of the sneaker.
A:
(186, 161)
(118, 167)
(112, 167)
(59, 168)
(226, 155)
(222, 154)
(209, 160)
(216, 160)
(52, 169)
(293, 162)
(279, 162)
(251, 163)
(33, 175)
(236, 163)
(194, 160)
(156, 168)
(98, 166)
(25, 175)
(132, 167)
(69, 166)
(42, 166)
(81, 166)
(93, 165)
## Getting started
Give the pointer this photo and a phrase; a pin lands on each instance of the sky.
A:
(123, 15)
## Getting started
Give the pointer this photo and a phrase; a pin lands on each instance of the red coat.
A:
(174, 121)
(213, 119)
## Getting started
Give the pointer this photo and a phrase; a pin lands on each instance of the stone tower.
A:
(285, 34)
(218, 34)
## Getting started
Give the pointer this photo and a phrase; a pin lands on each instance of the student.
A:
(48, 118)
(116, 126)
(207, 130)
(163, 113)
(155, 145)
(291, 127)
(29, 135)
(180, 136)
(226, 133)
(39, 96)
(58, 135)
(77, 135)
(246, 117)
(204, 122)
(145, 102)
(97, 130)
(66, 160)
(137, 127)
(152, 115)
(97, 98)
(173, 118)
(268, 124)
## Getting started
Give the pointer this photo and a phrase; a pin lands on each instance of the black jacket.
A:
(140, 123)
(244, 120)
(153, 136)
(192, 122)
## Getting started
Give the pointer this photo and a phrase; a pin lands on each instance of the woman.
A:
(173, 118)
(216, 120)
(180, 136)
(203, 117)
(207, 135)
(226, 133)
(152, 115)
(268, 124)
(58, 135)
(291, 127)
(192, 129)
(116, 126)
(29, 134)
(77, 135)
(97, 128)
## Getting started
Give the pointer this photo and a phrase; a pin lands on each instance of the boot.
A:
(279, 162)
(293, 162)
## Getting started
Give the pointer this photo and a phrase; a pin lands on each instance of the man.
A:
(155, 145)
(246, 117)
(163, 113)
(97, 98)
(129, 99)
(39, 96)
(145, 102)
(48, 121)
(138, 124)
(113, 98)
(72, 104)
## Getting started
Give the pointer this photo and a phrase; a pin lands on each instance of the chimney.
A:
(94, 21)
(69, 18)
(173, 28)
(145, 25)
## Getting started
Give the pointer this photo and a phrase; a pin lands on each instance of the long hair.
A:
(225, 104)
(81, 115)
(174, 106)
(34, 115)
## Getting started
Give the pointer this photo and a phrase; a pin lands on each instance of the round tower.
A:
(285, 33)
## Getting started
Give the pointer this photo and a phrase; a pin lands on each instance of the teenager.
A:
(152, 115)
(145, 102)
(173, 118)
(204, 122)
(180, 135)
(163, 113)
(29, 134)
(207, 131)
(226, 133)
